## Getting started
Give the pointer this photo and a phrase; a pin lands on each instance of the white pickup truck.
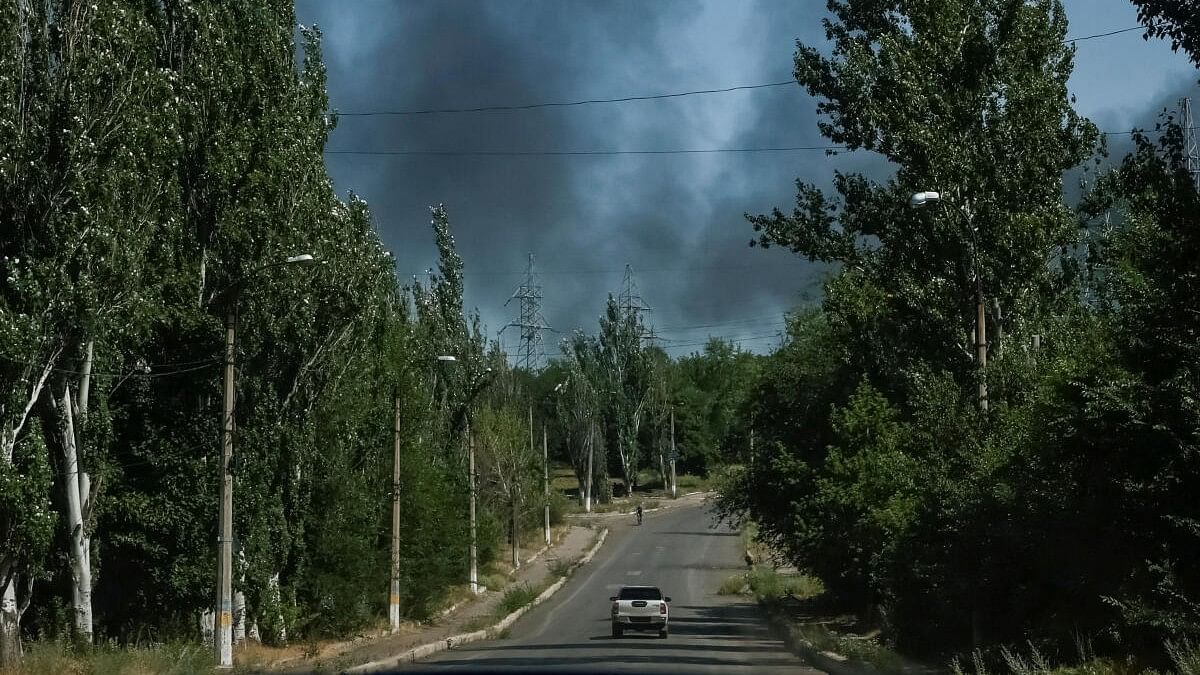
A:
(639, 608)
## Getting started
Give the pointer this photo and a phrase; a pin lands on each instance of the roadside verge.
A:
(423, 651)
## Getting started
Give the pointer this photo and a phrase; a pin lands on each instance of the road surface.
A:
(679, 550)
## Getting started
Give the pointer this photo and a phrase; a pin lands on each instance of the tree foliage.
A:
(1062, 507)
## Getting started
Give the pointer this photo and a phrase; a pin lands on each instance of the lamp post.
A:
(674, 455)
(223, 616)
(394, 581)
(464, 413)
(921, 199)
(478, 387)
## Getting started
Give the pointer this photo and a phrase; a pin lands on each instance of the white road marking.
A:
(634, 573)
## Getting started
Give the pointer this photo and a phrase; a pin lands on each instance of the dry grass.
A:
(54, 658)
(734, 585)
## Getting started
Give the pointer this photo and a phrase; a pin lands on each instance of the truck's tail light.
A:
(662, 608)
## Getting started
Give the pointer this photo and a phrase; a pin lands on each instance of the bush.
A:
(494, 582)
(733, 585)
(559, 567)
(559, 507)
(768, 585)
(515, 598)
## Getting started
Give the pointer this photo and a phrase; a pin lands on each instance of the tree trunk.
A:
(516, 551)
(587, 493)
(276, 602)
(239, 616)
(10, 622)
(77, 487)
(662, 471)
(203, 274)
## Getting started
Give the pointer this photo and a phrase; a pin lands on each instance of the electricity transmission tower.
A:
(1191, 151)
(532, 350)
(630, 302)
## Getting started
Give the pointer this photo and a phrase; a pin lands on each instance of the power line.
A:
(697, 343)
(765, 322)
(1100, 35)
(726, 338)
(577, 153)
(626, 99)
(179, 369)
(661, 270)
(564, 104)
(600, 153)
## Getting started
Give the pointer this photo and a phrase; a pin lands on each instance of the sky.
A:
(677, 220)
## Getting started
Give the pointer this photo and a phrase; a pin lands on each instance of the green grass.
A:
(1018, 662)
(689, 483)
(734, 585)
(559, 567)
(494, 582)
(858, 648)
(516, 597)
(55, 658)
(768, 585)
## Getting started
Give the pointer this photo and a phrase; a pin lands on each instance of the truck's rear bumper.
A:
(628, 623)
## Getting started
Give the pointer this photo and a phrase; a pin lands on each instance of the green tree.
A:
(1142, 408)
(628, 388)
(940, 92)
(578, 406)
(1174, 19)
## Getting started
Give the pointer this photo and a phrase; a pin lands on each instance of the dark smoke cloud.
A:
(678, 220)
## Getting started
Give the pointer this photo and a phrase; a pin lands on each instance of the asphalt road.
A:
(679, 550)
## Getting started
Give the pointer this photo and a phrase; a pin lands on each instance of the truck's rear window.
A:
(640, 594)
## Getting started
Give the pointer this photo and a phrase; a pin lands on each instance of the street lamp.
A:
(921, 199)
(464, 414)
(558, 389)
(394, 581)
(482, 380)
(223, 617)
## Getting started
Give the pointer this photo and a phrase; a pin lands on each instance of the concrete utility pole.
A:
(394, 591)
(1191, 148)
(674, 454)
(474, 553)
(223, 630)
(546, 484)
(921, 199)
(998, 315)
(981, 342)
(223, 616)
(587, 499)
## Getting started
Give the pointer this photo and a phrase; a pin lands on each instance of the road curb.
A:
(423, 651)
(832, 663)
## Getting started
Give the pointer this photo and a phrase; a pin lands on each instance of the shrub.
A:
(733, 585)
(515, 598)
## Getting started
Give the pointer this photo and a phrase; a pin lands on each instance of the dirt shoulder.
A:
(572, 543)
